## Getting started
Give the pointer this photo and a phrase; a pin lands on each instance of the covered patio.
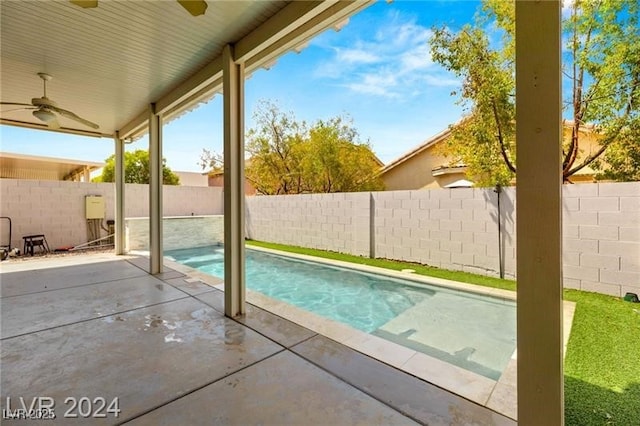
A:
(130, 67)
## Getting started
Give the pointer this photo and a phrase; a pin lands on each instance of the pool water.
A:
(472, 331)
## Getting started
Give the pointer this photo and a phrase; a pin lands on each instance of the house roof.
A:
(111, 62)
(20, 166)
(587, 128)
(417, 150)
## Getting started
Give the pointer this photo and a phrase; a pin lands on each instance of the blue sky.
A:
(377, 70)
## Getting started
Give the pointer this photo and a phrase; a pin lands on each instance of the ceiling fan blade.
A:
(194, 7)
(85, 4)
(74, 117)
(17, 109)
(53, 124)
(16, 104)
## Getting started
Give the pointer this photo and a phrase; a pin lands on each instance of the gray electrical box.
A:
(94, 207)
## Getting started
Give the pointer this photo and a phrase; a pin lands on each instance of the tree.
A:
(276, 148)
(336, 162)
(211, 160)
(291, 157)
(601, 64)
(136, 169)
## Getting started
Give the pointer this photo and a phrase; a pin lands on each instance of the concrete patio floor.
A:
(98, 326)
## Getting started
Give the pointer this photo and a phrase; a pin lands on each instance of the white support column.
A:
(119, 195)
(155, 190)
(539, 225)
(86, 174)
(233, 92)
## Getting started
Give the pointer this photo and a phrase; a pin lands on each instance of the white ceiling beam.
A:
(199, 81)
(284, 22)
(193, 101)
(327, 18)
(136, 127)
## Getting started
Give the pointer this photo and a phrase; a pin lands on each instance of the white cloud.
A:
(392, 61)
(418, 58)
(381, 84)
(356, 56)
(441, 81)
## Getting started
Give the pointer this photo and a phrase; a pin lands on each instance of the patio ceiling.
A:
(110, 62)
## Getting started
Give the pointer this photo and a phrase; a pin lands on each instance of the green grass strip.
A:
(602, 365)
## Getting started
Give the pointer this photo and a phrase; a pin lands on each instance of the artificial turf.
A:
(602, 364)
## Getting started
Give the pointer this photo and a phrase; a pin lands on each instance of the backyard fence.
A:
(458, 229)
(57, 208)
(462, 229)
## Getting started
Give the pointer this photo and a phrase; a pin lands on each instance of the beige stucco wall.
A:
(192, 179)
(218, 181)
(588, 146)
(415, 172)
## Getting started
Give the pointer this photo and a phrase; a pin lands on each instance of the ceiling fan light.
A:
(44, 115)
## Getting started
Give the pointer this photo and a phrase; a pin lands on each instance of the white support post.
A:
(155, 190)
(539, 213)
(234, 260)
(119, 196)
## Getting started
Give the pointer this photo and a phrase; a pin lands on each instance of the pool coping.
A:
(498, 395)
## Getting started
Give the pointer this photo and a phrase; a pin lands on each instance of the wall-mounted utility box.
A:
(94, 207)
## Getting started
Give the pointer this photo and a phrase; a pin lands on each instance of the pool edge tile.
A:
(380, 349)
(469, 385)
(504, 400)
(332, 329)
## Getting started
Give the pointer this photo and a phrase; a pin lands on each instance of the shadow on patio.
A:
(100, 327)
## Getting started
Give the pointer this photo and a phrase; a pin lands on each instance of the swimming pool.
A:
(473, 331)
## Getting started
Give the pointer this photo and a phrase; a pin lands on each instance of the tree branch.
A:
(612, 136)
(590, 159)
(503, 150)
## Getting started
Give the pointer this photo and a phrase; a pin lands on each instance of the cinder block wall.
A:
(450, 229)
(602, 237)
(338, 222)
(56, 208)
(458, 229)
(453, 229)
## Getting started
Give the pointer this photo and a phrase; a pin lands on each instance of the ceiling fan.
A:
(46, 110)
(194, 7)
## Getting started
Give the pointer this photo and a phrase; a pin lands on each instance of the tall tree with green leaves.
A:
(601, 68)
(275, 150)
(336, 162)
(136, 169)
(286, 156)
